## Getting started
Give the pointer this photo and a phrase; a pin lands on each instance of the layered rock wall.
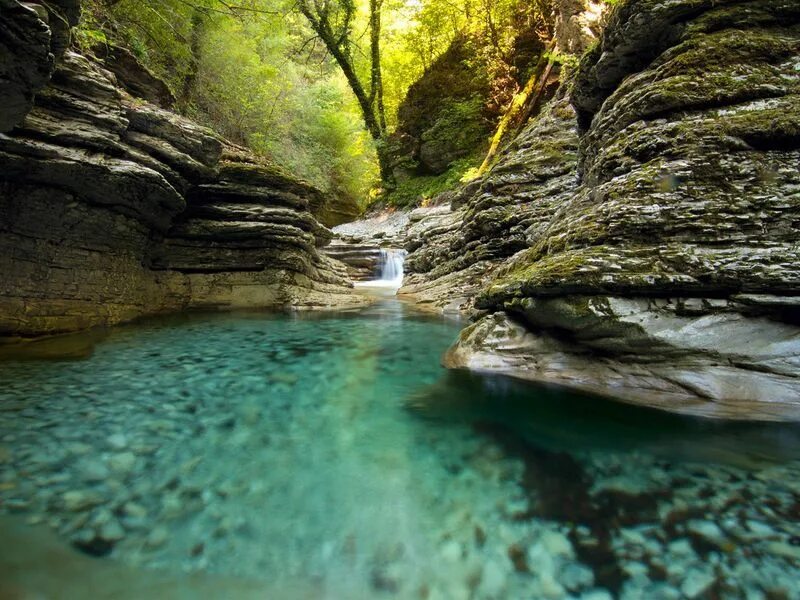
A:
(663, 268)
(112, 208)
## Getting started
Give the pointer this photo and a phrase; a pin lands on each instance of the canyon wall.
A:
(639, 240)
(112, 207)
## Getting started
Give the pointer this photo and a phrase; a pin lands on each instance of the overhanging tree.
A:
(332, 21)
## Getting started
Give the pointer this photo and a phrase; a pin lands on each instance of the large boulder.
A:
(668, 275)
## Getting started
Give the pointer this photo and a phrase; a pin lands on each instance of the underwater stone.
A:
(112, 531)
(556, 543)
(77, 500)
(452, 551)
(697, 582)
(576, 576)
(117, 441)
(707, 530)
(157, 537)
(789, 551)
(93, 470)
(493, 578)
(122, 463)
(596, 594)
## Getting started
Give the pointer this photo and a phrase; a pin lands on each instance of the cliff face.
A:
(32, 39)
(112, 207)
(659, 263)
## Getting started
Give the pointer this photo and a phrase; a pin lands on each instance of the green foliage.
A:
(245, 75)
(416, 191)
(90, 32)
(253, 71)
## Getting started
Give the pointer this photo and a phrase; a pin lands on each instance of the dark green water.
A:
(334, 450)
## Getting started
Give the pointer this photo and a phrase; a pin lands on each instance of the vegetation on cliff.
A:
(336, 91)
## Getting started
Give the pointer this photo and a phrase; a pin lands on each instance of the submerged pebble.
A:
(297, 457)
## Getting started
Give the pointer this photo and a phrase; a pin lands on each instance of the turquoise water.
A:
(334, 451)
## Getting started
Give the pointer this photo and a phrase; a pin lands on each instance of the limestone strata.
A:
(492, 219)
(112, 208)
(669, 276)
(688, 355)
(31, 38)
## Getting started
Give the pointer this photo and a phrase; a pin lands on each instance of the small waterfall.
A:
(392, 266)
(390, 269)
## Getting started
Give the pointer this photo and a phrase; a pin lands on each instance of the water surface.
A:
(330, 456)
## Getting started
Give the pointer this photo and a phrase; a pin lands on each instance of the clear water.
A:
(332, 452)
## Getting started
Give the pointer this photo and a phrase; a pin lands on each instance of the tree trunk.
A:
(195, 46)
(373, 116)
(375, 59)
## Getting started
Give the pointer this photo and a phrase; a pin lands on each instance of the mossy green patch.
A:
(414, 191)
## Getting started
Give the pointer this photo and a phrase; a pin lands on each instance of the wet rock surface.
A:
(672, 187)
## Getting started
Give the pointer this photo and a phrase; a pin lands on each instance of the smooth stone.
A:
(137, 511)
(556, 543)
(759, 528)
(597, 594)
(635, 569)
(707, 530)
(102, 517)
(93, 470)
(112, 531)
(117, 441)
(551, 588)
(784, 550)
(633, 537)
(15, 505)
(576, 576)
(83, 536)
(493, 579)
(157, 537)
(75, 524)
(680, 548)
(122, 463)
(540, 560)
(696, 583)
(172, 506)
(76, 500)
(451, 551)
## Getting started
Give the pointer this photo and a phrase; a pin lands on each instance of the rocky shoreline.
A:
(112, 207)
(639, 238)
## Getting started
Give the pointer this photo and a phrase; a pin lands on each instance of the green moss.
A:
(740, 16)
(729, 48)
(414, 191)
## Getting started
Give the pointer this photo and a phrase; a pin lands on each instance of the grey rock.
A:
(112, 531)
(696, 582)
(118, 441)
(652, 226)
(122, 463)
(127, 209)
(78, 500)
(157, 537)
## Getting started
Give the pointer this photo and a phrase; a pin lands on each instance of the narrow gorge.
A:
(425, 300)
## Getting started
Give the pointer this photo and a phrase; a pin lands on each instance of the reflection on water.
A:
(563, 420)
(331, 456)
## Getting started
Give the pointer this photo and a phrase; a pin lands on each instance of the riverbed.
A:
(331, 456)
